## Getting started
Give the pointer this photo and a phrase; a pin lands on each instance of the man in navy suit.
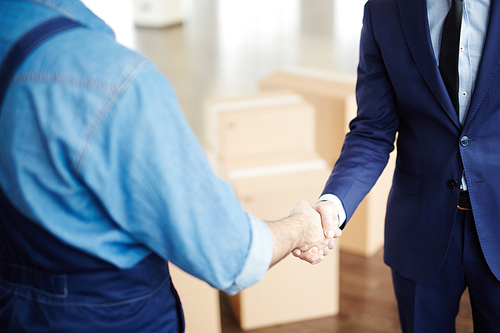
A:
(442, 229)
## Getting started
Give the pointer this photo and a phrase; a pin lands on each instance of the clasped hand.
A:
(322, 221)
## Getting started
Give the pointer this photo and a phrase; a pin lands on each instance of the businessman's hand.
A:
(329, 221)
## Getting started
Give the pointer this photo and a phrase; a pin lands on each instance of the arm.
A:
(367, 146)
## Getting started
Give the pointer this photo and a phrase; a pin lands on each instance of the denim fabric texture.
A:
(95, 149)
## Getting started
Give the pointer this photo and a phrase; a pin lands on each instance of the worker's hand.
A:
(329, 221)
(314, 244)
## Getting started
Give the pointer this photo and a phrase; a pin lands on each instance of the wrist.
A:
(337, 203)
(287, 231)
(286, 235)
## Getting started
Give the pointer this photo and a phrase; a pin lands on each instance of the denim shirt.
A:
(95, 148)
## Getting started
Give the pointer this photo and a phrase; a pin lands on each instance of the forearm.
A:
(286, 234)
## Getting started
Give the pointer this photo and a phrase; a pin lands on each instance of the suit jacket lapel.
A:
(416, 30)
(490, 62)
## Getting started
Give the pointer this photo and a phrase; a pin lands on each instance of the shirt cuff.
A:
(258, 259)
(338, 204)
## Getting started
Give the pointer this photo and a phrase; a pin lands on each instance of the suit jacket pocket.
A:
(406, 183)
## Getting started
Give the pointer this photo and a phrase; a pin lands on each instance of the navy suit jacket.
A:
(401, 95)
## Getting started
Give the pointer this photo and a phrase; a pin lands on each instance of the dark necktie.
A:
(448, 56)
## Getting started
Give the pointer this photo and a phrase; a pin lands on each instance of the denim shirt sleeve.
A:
(150, 173)
(258, 260)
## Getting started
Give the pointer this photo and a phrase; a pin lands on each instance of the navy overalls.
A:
(48, 286)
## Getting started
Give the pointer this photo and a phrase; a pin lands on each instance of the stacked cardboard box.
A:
(333, 97)
(263, 129)
(264, 146)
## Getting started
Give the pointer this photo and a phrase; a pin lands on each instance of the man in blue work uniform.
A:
(103, 182)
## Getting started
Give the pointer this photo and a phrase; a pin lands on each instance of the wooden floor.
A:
(367, 303)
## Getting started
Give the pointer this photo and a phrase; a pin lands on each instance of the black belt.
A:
(464, 201)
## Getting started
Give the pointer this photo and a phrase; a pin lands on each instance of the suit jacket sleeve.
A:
(366, 148)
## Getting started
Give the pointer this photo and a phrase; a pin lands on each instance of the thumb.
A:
(328, 219)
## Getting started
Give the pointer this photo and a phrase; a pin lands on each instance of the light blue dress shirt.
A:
(472, 36)
(475, 17)
(95, 148)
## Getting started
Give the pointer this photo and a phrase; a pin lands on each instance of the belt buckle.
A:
(464, 197)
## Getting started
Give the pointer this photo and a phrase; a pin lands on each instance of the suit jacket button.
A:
(464, 141)
(452, 183)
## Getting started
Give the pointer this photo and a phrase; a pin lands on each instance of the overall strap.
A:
(26, 44)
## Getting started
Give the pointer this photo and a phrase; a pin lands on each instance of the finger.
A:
(337, 231)
(328, 220)
(313, 250)
(315, 258)
(315, 262)
(320, 255)
(311, 256)
(307, 256)
(331, 245)
(297, 252)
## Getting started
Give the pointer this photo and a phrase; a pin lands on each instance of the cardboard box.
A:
(200, 302)
(333, 97)
(269, 192)
(293, 290)
(258, 126)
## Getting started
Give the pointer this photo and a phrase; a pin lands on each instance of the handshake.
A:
(309, 232)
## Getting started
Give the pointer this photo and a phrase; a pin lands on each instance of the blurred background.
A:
(223, 47)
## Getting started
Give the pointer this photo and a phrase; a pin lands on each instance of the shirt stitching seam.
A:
(90, 305)
(101, 116)
(51, 77)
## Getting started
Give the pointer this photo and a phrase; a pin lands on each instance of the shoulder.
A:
(84, 57)
(388, 3)
(383, 17)
(382, 8)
